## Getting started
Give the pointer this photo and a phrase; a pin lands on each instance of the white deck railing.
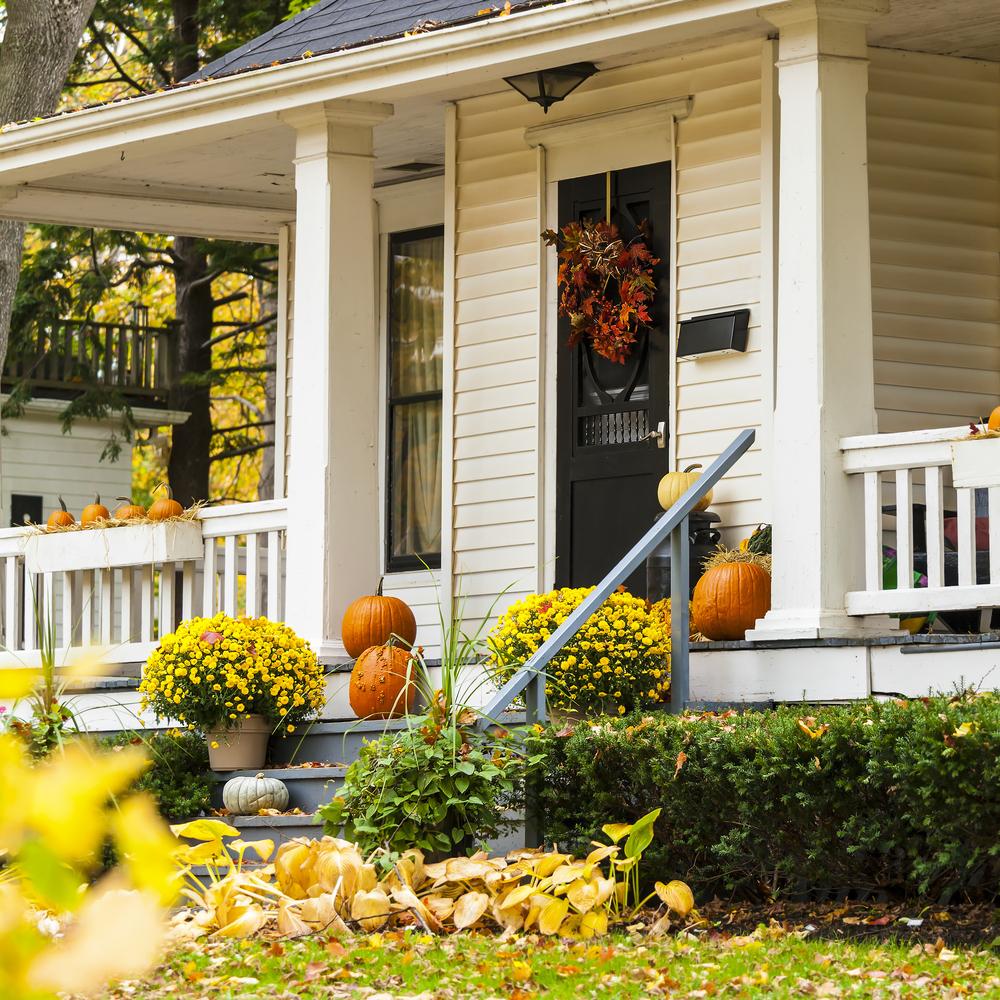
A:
(231, 559)
(912, 472)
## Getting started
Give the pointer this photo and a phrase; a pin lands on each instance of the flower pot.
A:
(976, 463)
(242, 748)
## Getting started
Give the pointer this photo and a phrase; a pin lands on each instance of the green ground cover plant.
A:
(412, 964)
(901, 796)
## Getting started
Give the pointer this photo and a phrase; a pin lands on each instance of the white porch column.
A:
(825, 368)
(333, 517)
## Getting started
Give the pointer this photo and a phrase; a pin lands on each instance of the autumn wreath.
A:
(606, 285)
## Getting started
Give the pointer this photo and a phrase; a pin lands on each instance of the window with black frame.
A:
(413, 430)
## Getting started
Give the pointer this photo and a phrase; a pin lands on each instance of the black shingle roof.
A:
(337, 24)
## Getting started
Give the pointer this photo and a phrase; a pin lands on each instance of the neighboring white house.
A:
(831, 166)
(38, 461)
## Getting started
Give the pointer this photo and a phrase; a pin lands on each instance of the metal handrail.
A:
(529, 680)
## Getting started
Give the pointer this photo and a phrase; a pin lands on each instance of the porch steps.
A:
(308, 787)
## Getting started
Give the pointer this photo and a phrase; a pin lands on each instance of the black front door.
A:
(606, 473)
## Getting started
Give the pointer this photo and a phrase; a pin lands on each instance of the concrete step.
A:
(308, 787)
(276, 828)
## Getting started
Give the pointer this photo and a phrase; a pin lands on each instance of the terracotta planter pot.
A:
(242, 748)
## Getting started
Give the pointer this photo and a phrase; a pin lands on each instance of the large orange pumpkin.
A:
(380, 687)
(373, 620)
(729, 599)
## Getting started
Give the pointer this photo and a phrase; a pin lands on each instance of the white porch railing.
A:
(911, 473)
(237, 567)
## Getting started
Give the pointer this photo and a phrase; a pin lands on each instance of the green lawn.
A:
(412, 964)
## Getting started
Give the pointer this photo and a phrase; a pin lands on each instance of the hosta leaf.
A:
(594, 924)
(567, 873)
(204, 829)
(290, 923)
(583, 895)
(602, 853)
(370, 909)
(551, 918)
(248, 921)
(641, 835)
(517, 895)
(469, 908)
(677, 895)
(615, 831)
(262, 848)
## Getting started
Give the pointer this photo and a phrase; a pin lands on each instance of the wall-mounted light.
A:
(546, 87)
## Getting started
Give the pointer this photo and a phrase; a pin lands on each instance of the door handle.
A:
(659, 435)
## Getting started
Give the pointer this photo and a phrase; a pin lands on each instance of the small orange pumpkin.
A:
(729, 599)
(165, 508)
(373, 620)
(61, 518)
(129, 511)
(95, 511)
(994, 422)
(381, 683)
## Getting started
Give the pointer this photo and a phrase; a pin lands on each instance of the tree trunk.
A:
(39, 44)
(191, 441)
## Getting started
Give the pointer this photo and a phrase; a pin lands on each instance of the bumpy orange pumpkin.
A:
(165, 508)
(729, 599)
(380, 687)
(129, 511)
(373, 620)
(95, 511)
(61, 518)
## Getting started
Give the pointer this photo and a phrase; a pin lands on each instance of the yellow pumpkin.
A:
(675, 484)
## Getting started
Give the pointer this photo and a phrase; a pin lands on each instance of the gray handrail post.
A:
(675, 520)
(680, 613)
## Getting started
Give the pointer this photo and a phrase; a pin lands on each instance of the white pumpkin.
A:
(245, 796)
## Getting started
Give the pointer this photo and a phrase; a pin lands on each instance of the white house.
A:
(831, 166)
(39, 461)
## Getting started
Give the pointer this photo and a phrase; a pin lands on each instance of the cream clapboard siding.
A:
(717, 266)
(934, 174)
(39, 460)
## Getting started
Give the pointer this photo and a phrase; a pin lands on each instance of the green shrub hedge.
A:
(897, 796)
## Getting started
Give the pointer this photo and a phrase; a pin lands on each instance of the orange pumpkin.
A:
(61, 518)
(129, 511)
(381, 687)
(165, 508)
(994, 424)
(373, 620)
(729, 599)
(95, 511)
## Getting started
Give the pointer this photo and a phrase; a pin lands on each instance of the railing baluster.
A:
(187, 590)
(252, 569)
(106, 604)
(146, 603)
(274, 609)
(87, 607)
(126, 630)
(229, 575)
(209, 606)
(904, 529)
(873, 531)
(47, 605)
(994, 528)
(167, 605)
(12, 591)
(966, 502)
(934, 526)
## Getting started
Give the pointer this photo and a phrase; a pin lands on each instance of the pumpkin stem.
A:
(381, 580)
(97, 498)
(124, 499)
(691, 468)
(62, 503)
(260, 774)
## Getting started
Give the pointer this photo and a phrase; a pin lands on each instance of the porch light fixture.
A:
(546, 87)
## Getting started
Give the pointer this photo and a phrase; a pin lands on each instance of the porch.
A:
(865, 251)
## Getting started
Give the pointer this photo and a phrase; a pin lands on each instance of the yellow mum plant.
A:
(214, 672)
(618, 661)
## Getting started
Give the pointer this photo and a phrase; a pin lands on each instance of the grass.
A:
(412, 964)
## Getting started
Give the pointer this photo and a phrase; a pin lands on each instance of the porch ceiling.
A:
(216, 159)
(966, 28)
